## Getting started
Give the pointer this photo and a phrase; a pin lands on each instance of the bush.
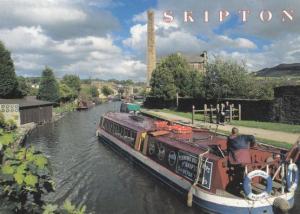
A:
(11, 125)
(24, 178)
(2, 120)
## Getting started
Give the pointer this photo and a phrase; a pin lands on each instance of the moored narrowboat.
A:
(198, 163)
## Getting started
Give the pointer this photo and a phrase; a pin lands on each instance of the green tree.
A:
(72, 81)
(106, 90)
(8, 79)
(66, 93)
(226, 79)
(49, 89)
(23, 87)
(196, 84)
(93, 91)
(162, 83)
(171, 76)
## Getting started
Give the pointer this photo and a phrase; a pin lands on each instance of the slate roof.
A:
(26, 102)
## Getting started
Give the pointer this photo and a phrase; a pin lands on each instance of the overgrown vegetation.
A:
(106, 91)
(25, 178)
(67, 107)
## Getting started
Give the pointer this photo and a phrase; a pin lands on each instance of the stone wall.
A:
(286, 108)
(260, 110)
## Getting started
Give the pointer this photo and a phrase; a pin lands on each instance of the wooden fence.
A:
(212, 114)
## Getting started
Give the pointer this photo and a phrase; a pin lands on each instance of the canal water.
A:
(88, 172)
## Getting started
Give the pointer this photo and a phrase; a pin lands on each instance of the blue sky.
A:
(107, 38)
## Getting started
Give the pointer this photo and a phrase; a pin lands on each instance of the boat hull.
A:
(208, 202)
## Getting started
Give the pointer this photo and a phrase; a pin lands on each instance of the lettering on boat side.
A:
(187, 165)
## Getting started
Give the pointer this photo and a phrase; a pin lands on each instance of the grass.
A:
(268, 126)
(253, 124)
(183, 114)
(247, 123)
(65, 108)
(279, 144)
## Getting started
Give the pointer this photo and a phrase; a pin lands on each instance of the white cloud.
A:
(24, 37)
(86, 56)
(234, 43)
(63, 19)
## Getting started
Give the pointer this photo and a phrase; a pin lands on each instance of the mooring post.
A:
(240, 112)
(205, 112)
(193, 112)
(230, 113)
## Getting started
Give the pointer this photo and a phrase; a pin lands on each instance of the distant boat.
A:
(85, 105)
(130, 107)
(195, 162)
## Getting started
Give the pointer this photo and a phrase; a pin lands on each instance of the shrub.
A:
(24, 178)
(2, 120)
(11, 125)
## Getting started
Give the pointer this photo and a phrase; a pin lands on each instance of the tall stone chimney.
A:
(151, 51)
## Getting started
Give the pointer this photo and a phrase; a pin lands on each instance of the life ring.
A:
(248, 189)
(292, 177)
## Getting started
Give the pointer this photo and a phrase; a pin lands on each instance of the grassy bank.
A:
(65, 108)
(247, 123)
(265, 141)
(182, 114)
(273, 126)
(268, 126)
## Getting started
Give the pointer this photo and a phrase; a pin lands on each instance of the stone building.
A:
(197, 62)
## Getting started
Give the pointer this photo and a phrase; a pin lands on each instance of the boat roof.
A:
(198, 141)
(136, 122)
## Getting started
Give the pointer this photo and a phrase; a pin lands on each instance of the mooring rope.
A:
(190, 193)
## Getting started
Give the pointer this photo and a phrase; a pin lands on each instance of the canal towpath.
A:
(258, 133)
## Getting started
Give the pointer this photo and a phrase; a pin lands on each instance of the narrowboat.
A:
(197, 163)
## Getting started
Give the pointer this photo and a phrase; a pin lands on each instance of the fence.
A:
(212, 114)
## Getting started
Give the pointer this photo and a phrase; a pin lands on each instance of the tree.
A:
(66, 93)
(226, 79)
(106, 90)
(23, 87)
(72, 81)
(8, 79)
(163, 84)
(195, 84)
(49, 89)
(93, 91)
(171, 76)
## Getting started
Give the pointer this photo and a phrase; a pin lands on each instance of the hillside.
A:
(280, 70)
